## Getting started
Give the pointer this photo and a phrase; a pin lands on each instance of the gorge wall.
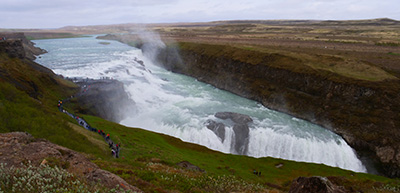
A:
(365, 113)
(15, 40)
(105, 98)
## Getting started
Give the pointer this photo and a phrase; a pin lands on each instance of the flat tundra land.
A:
(365, 47)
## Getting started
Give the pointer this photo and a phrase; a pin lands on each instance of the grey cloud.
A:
(58, 13)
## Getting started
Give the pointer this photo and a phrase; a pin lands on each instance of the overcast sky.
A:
(59, 13)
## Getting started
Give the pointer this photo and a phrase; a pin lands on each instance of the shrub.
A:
(28, 178)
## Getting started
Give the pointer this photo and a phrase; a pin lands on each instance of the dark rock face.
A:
(14, 48)
(105, 98)
(241, 138)
(21, 46)
(315, 185)
(19, 147)
(217, 128)
(365, 113)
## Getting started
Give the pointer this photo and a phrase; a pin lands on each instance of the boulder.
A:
(235, 117)
(217, 128)
(241, 138)
(189, 166)
(314, 184)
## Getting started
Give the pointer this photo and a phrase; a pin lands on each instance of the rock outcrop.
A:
(365, 113)
(189, 166)
(21, 46)
(217, 128)
(316, 185)
(19, 147)
(14, 48)
(105, 98)
(241, 144)
(235, 117)
(240, 128)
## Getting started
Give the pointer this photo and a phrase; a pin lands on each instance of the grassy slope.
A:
(148, 158)
(21, 112)
(143, 149)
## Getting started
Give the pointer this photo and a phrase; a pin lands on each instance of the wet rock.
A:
(386, 154)
(235, 117)
(19, 147)
(217, 128)
(390, 159)
(241, 138)
(240, 128)
(316, 185)
(104, 98)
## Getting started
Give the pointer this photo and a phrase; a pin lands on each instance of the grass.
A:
(44, 35)
(28, 100)
(152, 157)
(392, 44)
(395, 54)
(297, 62)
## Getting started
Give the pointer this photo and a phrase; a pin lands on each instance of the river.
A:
(179, 105)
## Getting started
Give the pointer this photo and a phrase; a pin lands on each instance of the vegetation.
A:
(393, 44)
(29, 178)
(296, 62)
(46, 35)
(149, 161)
(31, 107)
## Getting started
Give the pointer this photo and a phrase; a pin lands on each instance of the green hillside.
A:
(28, 99)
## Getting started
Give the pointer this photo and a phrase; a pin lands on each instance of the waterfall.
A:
(180, 106)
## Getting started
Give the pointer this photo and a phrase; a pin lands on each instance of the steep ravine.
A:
(365, 113)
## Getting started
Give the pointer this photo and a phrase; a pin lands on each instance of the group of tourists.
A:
(257, 173)
(115, 147)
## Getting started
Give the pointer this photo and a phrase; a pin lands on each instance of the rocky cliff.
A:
(366, 113)
(19, 46)
(104, 98)
(17, 68)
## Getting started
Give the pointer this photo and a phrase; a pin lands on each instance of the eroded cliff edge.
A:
(365, 112)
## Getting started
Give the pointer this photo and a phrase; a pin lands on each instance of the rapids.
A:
(179, 106)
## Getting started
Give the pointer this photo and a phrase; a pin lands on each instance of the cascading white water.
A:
(180, 106)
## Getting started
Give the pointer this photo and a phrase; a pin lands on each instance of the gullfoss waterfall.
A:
(182, 107)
